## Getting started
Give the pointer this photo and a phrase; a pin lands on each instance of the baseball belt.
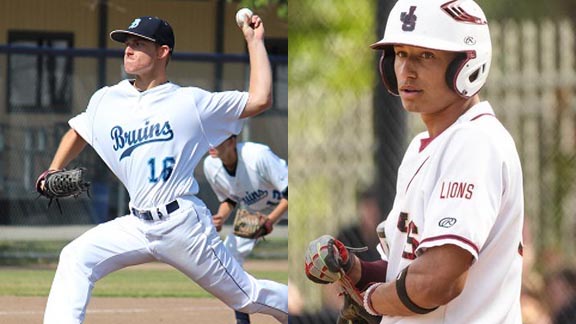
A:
(156, 215)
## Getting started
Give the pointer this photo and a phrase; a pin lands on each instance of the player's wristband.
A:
(368, 299)
(231, 202)
(403, 295)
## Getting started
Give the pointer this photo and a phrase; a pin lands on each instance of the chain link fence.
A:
(331, 142)
(339, 143)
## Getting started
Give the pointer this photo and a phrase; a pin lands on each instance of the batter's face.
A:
(421, 79)
(140, 55)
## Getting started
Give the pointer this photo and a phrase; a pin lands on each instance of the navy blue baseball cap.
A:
(151, 28)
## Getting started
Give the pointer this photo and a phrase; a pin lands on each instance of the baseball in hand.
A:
(241, 16)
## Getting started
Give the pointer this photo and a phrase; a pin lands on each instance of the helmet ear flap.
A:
(387, 71)
(453, 71)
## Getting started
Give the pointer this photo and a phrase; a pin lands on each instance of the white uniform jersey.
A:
(260, 178)
(144, 140)
(152, 141)
(463, 187)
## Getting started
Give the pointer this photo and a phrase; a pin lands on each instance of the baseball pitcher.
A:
(152, 134)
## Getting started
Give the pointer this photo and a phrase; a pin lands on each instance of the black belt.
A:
(147, 215)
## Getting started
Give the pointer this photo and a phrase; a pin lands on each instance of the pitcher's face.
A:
(139, 56)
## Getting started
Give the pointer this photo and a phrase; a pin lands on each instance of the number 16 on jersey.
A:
(166, 171)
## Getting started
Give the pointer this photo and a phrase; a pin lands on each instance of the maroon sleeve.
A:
(372, 271)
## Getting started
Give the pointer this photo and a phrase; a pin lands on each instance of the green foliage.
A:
(332, 72)
(329, 44)
(280, 5)
(330, 62)
(309, 215)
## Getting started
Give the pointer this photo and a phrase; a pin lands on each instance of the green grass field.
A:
(46, 252)
(129, 282)
(28, 269)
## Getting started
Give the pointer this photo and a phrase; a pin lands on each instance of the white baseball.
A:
(241, 16)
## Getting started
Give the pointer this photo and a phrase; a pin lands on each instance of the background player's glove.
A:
(251, 225)
(353, 313)
(62, 184)
(326, 259)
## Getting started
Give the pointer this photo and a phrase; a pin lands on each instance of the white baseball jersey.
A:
(463, 187)
(152, 141)
(146, 142)
(260, 178)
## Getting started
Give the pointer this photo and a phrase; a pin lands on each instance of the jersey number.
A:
(167, 167)
(411, 238)
(277, 196)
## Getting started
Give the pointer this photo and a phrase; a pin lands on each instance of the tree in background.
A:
(280, 5)
(330, 135)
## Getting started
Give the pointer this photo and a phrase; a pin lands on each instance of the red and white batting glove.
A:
(325, 259)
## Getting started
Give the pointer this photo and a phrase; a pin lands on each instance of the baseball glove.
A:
(62, 184)
(353, 313)
(251, 225)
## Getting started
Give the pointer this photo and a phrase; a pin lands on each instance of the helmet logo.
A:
(135, 23)
(455, 10)
(469, 40)
(408, 19)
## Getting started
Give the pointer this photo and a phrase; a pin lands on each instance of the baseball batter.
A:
(247, 176)
(452, 240)
(152, 133)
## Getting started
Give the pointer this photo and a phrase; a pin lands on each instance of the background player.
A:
(454, 233)
(248, 176)
(152, 133)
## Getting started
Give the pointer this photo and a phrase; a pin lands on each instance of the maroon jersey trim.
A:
(452, 237)
(414, 176)
(481, 115)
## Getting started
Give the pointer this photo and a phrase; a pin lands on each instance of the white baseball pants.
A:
(187, 240)
(239, 247)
